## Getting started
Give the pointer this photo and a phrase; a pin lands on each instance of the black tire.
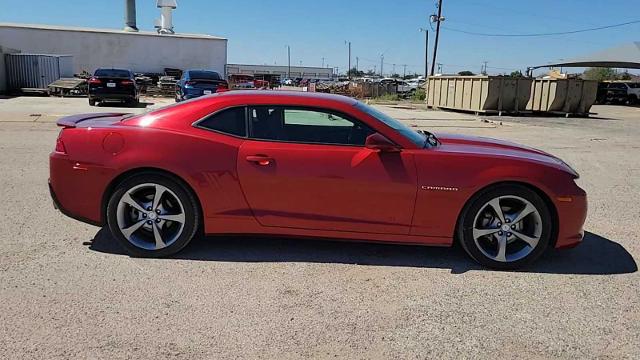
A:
(92, 102)
(189, 204)
(476, 204)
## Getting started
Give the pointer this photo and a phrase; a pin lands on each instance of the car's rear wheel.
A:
(152, 216)
(92, 102)
(505, 227)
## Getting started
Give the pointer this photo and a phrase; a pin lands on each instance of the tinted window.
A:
(117, 73)
(230, 121)
(305, 126)
(204, 75)
(634, 85)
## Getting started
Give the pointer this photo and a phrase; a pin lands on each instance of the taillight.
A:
(94, 80)
(126, 82)
(60, 146)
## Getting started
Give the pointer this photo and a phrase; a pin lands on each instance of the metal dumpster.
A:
(480, 94)
(565, 96)
(34, 72)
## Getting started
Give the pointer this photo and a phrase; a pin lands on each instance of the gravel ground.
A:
(68, 291)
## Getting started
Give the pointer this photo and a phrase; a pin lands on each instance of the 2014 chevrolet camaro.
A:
(309, 165)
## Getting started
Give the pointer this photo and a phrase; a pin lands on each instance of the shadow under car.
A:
(595, 256)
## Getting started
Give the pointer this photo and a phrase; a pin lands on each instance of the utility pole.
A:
(484, 68)
(426, 52)
(288, 62)
(404, 72)
(349, 69)
(357, 64)
(322, 62)
(438, 19)
(394, 70)
(439, 68)
(381, 65)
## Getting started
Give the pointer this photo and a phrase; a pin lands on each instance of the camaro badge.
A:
(439, 188)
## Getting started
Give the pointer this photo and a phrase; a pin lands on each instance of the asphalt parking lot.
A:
(67, 290)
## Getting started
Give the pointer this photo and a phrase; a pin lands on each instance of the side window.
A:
(306, 126)
(230, 121)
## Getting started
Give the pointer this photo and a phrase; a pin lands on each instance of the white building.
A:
(94, 48)
(304, 72)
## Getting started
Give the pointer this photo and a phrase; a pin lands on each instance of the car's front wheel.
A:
(151, 215)
(505, 227)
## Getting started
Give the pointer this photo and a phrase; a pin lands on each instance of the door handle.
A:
(260, 159)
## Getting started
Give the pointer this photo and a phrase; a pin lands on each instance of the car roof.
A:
(284, 94)
(200, 70)
(113, 69)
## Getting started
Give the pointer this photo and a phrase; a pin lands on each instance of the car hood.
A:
(500, 148)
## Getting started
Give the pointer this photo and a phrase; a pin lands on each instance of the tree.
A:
(600, 74)
(466, 73)
(625, 76)
(355, 72)
(370, 73)
(411, 76)
(395, 76)
(517, 74)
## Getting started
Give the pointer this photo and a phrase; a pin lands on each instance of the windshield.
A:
(204, 75)
(415, 137)
(116, 73)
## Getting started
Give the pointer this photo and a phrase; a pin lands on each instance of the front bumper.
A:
(572, 216)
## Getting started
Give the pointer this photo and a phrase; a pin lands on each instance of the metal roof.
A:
(107, 31)
(624, 56)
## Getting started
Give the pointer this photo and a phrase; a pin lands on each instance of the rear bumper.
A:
(58, 206)
(190, 93)
(111, 95)
(77, 188)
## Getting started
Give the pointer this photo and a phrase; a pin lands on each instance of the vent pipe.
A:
(130, 16)
(165, 25)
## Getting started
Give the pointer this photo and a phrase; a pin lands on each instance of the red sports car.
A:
(309, 165)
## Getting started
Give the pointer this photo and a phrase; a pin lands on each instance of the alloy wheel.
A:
(150, 216)
(507, 228)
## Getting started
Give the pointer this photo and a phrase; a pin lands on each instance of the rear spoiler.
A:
(73, 120)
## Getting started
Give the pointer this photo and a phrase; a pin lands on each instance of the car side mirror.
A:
(379, 142)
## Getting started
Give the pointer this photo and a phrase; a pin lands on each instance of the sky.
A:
(260, 30)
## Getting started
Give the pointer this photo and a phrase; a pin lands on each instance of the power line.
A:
(545, 34)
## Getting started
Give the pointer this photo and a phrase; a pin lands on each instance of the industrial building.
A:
(93, 48)
(283, 72)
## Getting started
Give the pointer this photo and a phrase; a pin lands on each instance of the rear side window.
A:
(113, 73)
(229, 121)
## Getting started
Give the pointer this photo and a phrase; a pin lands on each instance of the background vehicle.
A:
(313, 165)
(195, 83)
(612, 93)
(113, 85)
(241, 81)
(631, 88)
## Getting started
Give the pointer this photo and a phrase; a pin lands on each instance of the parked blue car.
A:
(195, 83)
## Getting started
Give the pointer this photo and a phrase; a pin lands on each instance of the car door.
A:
(308, 168)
